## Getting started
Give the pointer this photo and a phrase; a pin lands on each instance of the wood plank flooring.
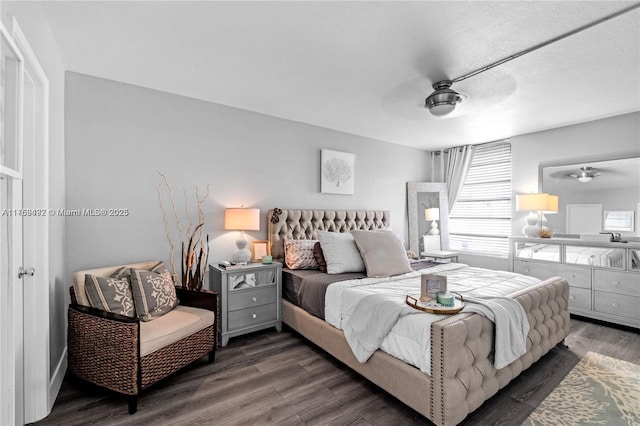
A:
(280, 378)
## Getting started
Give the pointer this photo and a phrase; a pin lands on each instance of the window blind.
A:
(480, 221)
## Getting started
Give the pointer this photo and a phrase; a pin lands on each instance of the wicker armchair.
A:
(126, 355)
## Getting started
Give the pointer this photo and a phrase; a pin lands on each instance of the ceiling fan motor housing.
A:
(444, 100)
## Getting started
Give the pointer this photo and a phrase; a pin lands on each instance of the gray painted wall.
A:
(36, 28)
(606, 138)
(118, 136)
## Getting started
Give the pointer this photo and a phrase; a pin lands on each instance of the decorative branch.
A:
(173, 204)
(166, 229)
(195, 252)
(186, 210)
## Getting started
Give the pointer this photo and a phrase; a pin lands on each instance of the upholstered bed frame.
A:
(462, 372)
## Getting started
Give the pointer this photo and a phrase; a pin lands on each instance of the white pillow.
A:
(383, 253)
(340, 252)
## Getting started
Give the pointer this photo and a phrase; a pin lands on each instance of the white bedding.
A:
(409, 337)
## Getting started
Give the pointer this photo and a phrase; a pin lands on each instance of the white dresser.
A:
(604, 277)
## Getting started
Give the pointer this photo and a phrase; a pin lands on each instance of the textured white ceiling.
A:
(366, 67)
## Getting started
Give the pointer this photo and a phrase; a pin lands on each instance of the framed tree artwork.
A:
(337, 172)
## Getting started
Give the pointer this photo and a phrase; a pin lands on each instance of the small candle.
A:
(267, 260)
(445, 298)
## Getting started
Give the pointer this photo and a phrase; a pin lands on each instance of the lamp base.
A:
(434, 229)
(535, 225)
(243, 254)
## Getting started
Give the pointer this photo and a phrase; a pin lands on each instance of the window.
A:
(480, 221)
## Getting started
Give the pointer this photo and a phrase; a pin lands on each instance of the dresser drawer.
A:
(577, 277)
(252, 316)
(533, 269)
(249, 298)
(617, 282)
(617, 304)
(580, 298)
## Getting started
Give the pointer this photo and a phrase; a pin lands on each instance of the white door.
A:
(24, 298)
(11, 301)
(35, 223)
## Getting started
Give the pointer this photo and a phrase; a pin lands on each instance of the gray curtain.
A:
(451, 166)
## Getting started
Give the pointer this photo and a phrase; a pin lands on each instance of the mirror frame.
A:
(413, 188)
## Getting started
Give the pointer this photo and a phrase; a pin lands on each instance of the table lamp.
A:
(537, 204)
(432, 214)
(241, 219)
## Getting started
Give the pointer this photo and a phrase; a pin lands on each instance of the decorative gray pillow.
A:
(340, 252)
(383, 253)
(298, 254)
(110, 294)
(153, 292)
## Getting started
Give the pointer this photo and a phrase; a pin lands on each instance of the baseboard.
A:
(56, 379)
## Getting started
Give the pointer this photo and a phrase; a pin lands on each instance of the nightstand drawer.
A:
(257, 297)
(617, 304)
(580, 298)
(253, 316)
(617, 282)
(245, 278)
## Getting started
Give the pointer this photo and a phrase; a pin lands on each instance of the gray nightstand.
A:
(250, 298)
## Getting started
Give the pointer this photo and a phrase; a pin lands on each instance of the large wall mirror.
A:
(428, 208)
(610, 187)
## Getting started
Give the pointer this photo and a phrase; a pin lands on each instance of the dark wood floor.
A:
(280, 378)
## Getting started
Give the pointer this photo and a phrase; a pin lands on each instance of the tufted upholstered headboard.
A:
(302, 224)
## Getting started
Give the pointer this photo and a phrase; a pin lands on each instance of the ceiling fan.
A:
(585, 174)
(444, 99)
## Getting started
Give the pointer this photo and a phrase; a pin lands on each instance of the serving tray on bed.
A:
(434, 307)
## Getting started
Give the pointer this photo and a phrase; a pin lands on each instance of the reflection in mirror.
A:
(614, 186)
(595, 256)
(548, 252)
(428, 209)
(635, 259)
(618, 221)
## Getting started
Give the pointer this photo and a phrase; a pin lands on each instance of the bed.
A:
(461, 371)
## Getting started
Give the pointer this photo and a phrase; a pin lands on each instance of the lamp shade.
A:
(541, 202)
(241, 219)
(534, 202)
(552, 206)
(432, 214)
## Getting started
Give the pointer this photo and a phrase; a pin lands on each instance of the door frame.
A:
(38, 394)
(11, 377)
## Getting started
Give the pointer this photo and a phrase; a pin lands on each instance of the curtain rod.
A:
(501, 141)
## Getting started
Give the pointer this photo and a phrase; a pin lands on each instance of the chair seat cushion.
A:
(181, 322)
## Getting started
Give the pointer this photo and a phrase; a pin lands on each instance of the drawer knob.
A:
(255, 299)
(254, 316)
(615, 305)
(615, 282)
(572, 297)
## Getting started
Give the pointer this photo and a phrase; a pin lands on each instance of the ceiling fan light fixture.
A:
(585, 175)
(444, 100)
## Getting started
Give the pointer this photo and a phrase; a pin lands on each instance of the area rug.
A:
(599, 390)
